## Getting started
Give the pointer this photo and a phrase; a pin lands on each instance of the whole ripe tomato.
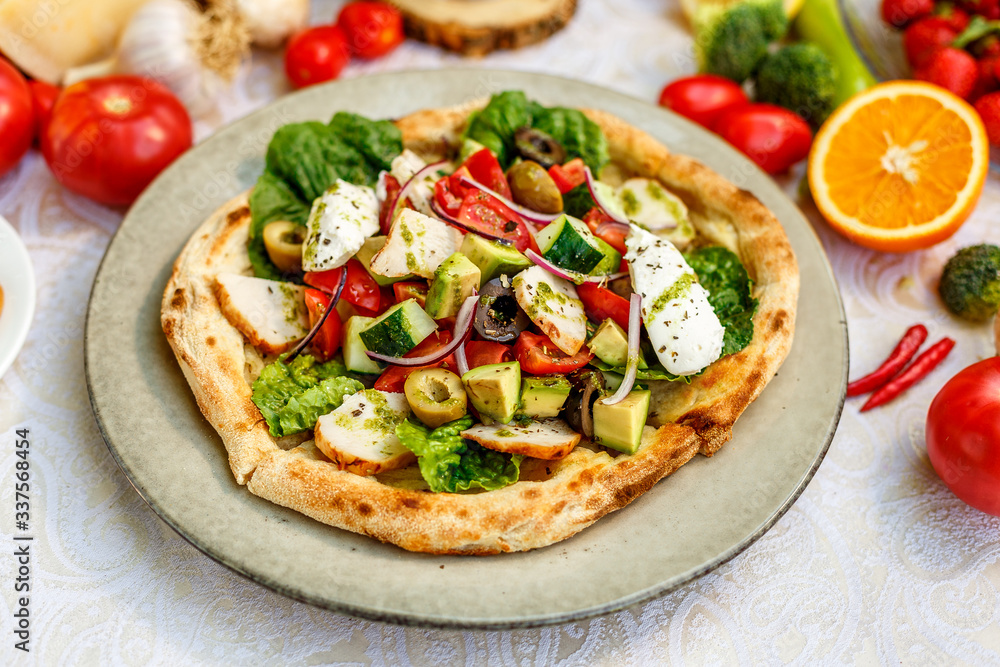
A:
(963, 435)
(43, 98)
(316, 55)
(109, 137)
(773, 137)
(17, 118)
(703, 98)
(373, 29)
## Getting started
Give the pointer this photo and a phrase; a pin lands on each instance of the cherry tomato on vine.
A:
(703, 97)
(316, 55)
(373, 29)
(109, 137)
(963, 435)
(773, 137)
(17, 116)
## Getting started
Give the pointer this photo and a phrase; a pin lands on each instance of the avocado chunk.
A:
(355, 353)
(610, 344)
(566, 242)
(619, 426)
(469, 147)
(368, 250)
(612, 259)
(399, 329)
(544, 396)
(453, 282)
(495, 390)
(493, 257)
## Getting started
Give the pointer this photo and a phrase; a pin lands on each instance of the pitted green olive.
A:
(435, 395)
(532, 186)
(283, 241)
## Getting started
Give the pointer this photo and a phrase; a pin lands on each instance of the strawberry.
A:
(956, 17)
(986, 47)
(988, 107)
(901, 12)
(926, 36)
(989, 9)
(953, 69)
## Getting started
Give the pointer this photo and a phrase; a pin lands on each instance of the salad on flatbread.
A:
(477, 329)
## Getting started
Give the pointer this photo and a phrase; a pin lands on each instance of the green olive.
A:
(283, 240)
(436, 396)
(532, 186)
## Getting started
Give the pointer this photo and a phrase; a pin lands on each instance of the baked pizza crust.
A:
(554, 499)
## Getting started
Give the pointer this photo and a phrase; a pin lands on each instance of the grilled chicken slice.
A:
(545, 439)
(269, 313)
(360, 435)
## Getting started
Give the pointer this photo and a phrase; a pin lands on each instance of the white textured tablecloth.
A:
(876, 563)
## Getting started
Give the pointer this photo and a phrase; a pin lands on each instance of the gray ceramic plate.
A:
(684, 527)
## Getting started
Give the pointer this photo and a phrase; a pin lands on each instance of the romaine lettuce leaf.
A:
(450, 463)
(378, 140)
(495, 125)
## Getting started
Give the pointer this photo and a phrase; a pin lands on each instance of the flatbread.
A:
(553, 499)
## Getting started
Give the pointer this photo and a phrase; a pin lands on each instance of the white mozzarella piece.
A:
(418, 244)
(649, 204)
(685, 332)
(552, 304)
(271, 314)
(545, 439)
(360, 435)
(339, 222)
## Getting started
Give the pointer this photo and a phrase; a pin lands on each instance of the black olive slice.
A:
(536, 145)
(498, 317)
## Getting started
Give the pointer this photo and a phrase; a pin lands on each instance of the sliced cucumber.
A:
(355, 357)
(399, 329)
(566, 242)
(612, 259)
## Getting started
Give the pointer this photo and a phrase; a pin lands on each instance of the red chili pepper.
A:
(920, 367)
(903, 352)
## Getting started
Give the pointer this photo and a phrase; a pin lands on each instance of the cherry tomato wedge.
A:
(569, 175)
(703, 97)
(360, 289)
(485, 169)
(394, 377)
(601, 303)
(373, 29)
(326, 342)
(449, 191)
(316, 55)
(537, 355)
(410, 290)
(392, 188)
(606, 229)
(485, 213)
(773, 137)
(486, 352)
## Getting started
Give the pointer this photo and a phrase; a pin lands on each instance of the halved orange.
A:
(899, 166)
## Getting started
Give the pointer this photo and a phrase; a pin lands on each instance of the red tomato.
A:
(410, 290)
(109, 137)
(538, 355)
(449, 191)
(372, 29)
(43, 98)
(316, 55)
(326, 342)
(925, 36)
(569, 175)
(773, 137)
(601, 303)
(392, 188)
(17, 116)
(481, 211)
(394, 377)
(486, 352)
(703, 97)
(605, 228)
(360, 289)
(901, 12)
(963, 435)
(952, 69)
(485, 169)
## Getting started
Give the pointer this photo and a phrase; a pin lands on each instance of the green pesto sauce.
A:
(544, 298)
(504, 433)
(411, 262)
(407, 234)
(289, 303)
(385, 419)
(677, 291)
(630, 203)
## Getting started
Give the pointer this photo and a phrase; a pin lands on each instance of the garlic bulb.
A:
(271, 22)
(194, 50)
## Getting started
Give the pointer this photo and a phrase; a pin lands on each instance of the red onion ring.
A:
(601, 203)
(461, 361)
(462, 331)
(612, 226)
(443, 215)
(416, 178)
(566, 274)
(334, 298)
(524, 211)
(632, 366)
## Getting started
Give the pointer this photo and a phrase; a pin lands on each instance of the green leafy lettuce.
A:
(730, 291)
(303, 160)
(509, 111)
(450, 463)
(654, 372)
(293, 396)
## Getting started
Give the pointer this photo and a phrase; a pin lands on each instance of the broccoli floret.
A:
(970, 283)
(799, 77)
(731, 41)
